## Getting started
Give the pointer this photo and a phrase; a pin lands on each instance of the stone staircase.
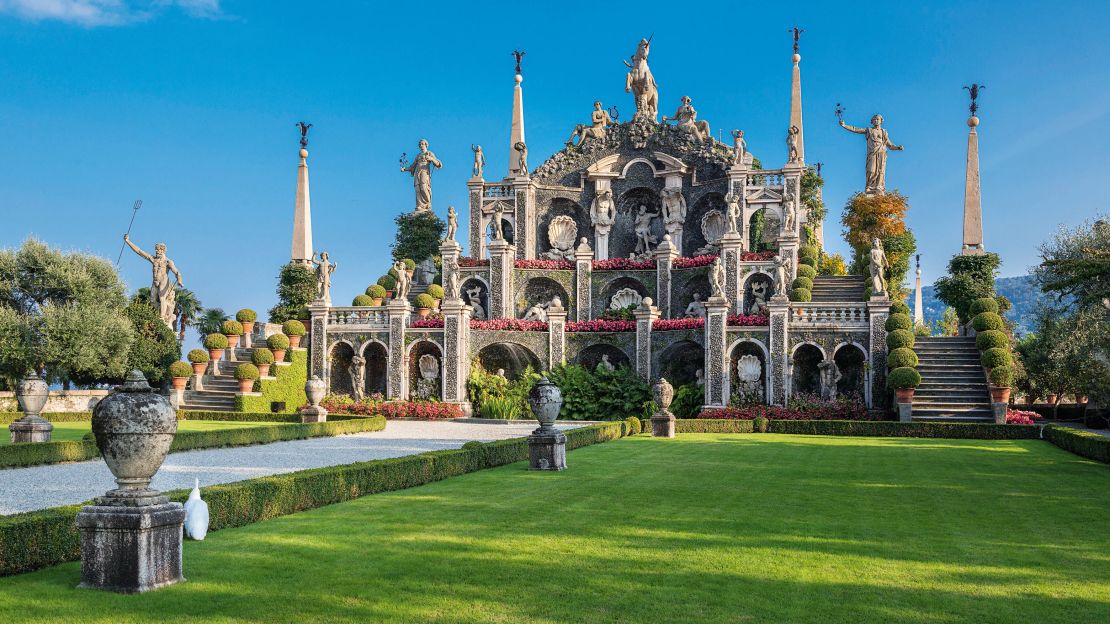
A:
(219, 391)
(953, 387)
(838, 288)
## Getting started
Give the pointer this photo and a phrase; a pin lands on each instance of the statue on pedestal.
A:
(450, 278)
(401, 290)
(732, 201)
(452, 223)
(687, 119)
(163, 294)
(716, 279)
(878, 142)
(782, 275)
(641, 83)
(789, 218)
(696, 309)
(479, 159)
(421, 170)
(324, 269)
(498, 215)
(830, 376)
(877, 268)
(357, 371)
(603, 211)
(739, 147)
(792, 144)
(599, 121)
(644, 238)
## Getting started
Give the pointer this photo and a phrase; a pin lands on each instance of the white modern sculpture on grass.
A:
(196, 514)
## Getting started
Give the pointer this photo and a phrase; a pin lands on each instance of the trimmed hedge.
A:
(1002, 376)
(713, 425)
(287, 386)
(231, 328)
(809, 251)
(985, 321)
(375, 291)
(804, 270)
(984, 304)
(902, 378)
(883, 428)
(1082, 443)
(900, 307)
(801, 294)
(898, 321)
(992, 339)
(293, 327)
(899, 338)
(633, 426)
(802, 282)
(901, 357)
(993, 358)
(362, 301)
(6, 418)
(33, 540)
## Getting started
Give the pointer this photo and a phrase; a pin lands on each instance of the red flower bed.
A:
(696, 261)
(756, 256)
(428, 323)
(472, 262)
(601, 325)
(550, 265)
(509, 325)
(748, 320)
(428, 410)
(682, 323)
(1018, 417)
(622, 264)
(800, 408)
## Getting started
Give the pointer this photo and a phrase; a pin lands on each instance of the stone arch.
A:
(513, 357)
(419, 387)
(638, 161)
(738, 349)
(590, 356)
(467, 287)
(339, 361)
(507, 228)
(750, 281)
(772, 221)
(611, 288)
(851, 359)
(561, 206)
(680, 362)
(805, 377)
(692, 236)
(540, 290)
(377, 366)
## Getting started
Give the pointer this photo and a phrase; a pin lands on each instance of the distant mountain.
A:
(1020, 290)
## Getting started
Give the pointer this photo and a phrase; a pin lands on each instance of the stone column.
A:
(318, 339)
(716, 364)
(645, 314)
(583, 274)
(878, 309)
(665, 254)
(524, 226)
(456, 349)
(397, 384)
(501, 256)
(477, 233)
(732, 246)
(556, 336)
(779, 364)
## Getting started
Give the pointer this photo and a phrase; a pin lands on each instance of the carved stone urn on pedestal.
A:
(31, 393)
(315, 389)
(547, 446)
(131, 536)
(662, 421)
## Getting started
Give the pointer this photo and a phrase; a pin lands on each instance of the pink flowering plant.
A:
(601, 325)
(625, 264)
(682, 323)
(747, 320)
(428, 323)
(1018, 417)
(472, 262)
(800, 407)
(696, 261)
(376, 405)
(550, 265)
(756, 256)
(509, 325)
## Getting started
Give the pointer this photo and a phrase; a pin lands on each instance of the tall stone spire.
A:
(302, 214)
(918, 311)
(796, 96)
(516, 136)
(973, 208)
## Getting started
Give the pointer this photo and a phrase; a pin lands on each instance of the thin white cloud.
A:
(92, 13)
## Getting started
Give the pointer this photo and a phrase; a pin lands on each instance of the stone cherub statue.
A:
(599, 121)
(644, 237)
(323, 270)
(878, 142)
(877, 268)
(357, 371)
(739, 147)
(474, 300)
(421, 170)
(716, 279)
(732, 201)
(641, 82)
(688, 122)
(696, 309)
(479, 159)
(603, 210)
(830, 376)
(782, 275)
(163, 294)
(404, 284)
(452, 223)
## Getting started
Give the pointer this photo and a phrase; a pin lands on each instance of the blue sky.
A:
(191, 104)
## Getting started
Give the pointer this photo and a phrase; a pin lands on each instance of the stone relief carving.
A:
(687, 118)
(561, 233)
(599, 121)
(163, 294)
(641, 83)
(624, 298)
(421, 170)
(878, 142)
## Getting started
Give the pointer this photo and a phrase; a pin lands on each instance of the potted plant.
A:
(903, 380)
(247, 317)
(388, 283)
(376, 292)
(1001, 379)
(215, 343)
(199, 359)
(435, 291)
(295, 330)
(246, 374)
(410, 266)
(362, 301)
(263, 358)
(1051, 398)
(232, 329)
(180, 373)
(278, 343)
(424, 304)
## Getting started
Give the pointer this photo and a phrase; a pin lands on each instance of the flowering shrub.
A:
(696, 261)
(748, 320)
(623, 264)
(509, 325)
(756, 256)
(1017, 417)
(472, 262)
(551, 265)
(682, 323)
(601, 325)
(802, 407)
(427, 323)
(376, 406)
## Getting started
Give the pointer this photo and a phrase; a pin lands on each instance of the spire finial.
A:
(797, 32)
(518, 55)
(974, 90)
(304, 133)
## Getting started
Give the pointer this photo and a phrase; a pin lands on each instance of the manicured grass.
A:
(68, 431)
(705, 528)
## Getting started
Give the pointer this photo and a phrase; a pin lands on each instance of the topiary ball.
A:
(435, 291)
(278, 342)
(993, 358)
(262, 356)
(809, 251)
(899, 338)
(899, 307)
(293, 327)
(424, 300)
(246, 371)
(984, 304)
(810, 262)
(802, 282)
(231, 328)
(804, 270)
(901, 357)
(633, 425)
(362, 301)
(215, 341)
(387, 282)
(246, 315)
(992, 339)
(898, 321)
(375, 291)
(986, 321)
(180, 369)
(903, 378)
(410, 264)
(801, 294)
(198, 356)
(1002, 376)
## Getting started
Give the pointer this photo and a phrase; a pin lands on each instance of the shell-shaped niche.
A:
(713, 226)
(429, 366)
(562, 232)
(748, 368)
(623, 298)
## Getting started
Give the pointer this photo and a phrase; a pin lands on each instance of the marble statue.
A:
(644, 237)
(829, 376)
(404, 283)
(758, 305)
(561, 233)
(878, 142)
(427, 386)
(789, 217)
(605, 363)
(749, 370)
(781, 275)
(700, 377)
(641, 83)
(479, 159)
(523, 149)
(792, 144)
(357, 371)
(599, 121)
(450, 277)
(696, 309)
(674, 206)
(421, 170)
(716, 279)
(323, 269)
(603, 211)
(452, 223)
(625, 298)
(474, 300)
(498, 216)
(163, 294)
(739, 147)
(732, 200)
(877, 267)
(688, 122)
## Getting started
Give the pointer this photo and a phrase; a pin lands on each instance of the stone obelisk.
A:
(973, 208)
(796, 97)
(302, 214)
(918, 311)
(516, 135)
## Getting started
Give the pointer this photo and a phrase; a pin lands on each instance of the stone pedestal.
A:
(583, 272)
(318, 338)
(665, 254)
(732, 246)
(905, 412)
(601, 241)
(130, 549)
(645, 315)
(314, 414)
(999, 412)
(397, 380)
(662, 425)
(501, 255)
(31, 429)
(547, 450)
(778, 310)
(198, 382)
(556, 336)
(878, 309)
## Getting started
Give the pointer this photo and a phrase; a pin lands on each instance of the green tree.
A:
(210, 321)
(969, 278)
(1075, 265)
(296, 289)
(187, 308)
(811, 196)
(155, 346)
(867, 217)
(418, 236)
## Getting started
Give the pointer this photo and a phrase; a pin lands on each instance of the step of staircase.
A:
(953, 387)
(838, 288)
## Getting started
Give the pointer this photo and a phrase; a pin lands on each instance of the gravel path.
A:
(27, 489)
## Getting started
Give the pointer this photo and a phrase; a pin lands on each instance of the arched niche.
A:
(377, 367)
(851, 361)
(561, 206)
(425, 382)
(680, 362)
(591, 356)
(806, 376)
(475, 293)
(540, 290)
(616, 285)
(692, 236)
(511, 357)
(506, 230)
(747, 393)
(622, 240)
(339, 364)
(762, 283)
(772, 223)
(682, 293)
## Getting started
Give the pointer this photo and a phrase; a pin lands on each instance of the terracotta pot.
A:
(903, 395)
(248, 328)
(179, 382)
(295, 341)
(1029, 399)
(232, 342)
(199, 367)
(264, 370)
(423, 312)
(215, 354)
(389, 294)
(1000, 394)
(1051, 399)
(279, 355)
(377, 301)
(246, 385)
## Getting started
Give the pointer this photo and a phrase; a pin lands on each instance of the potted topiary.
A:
(246, 374)
(215, 343)
(232, 329)
(179, 373)
(424, 304)
(1001, 379)
(247, 317)
(903, 380)
(388, 283)
(377, 293)
(263, 358)
(295, 330)
(435, 291)
(362, 301)
(278, 343)
(801, 295)
(199, 359)
(410, 266)
(993, 358)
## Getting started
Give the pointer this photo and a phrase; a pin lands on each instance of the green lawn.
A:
(705, 528)
(65, 431)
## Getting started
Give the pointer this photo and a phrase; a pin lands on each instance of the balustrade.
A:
(822, 314)
(362, 317)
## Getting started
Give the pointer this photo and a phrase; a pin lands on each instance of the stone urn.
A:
(546, 400)
(134, 427)
(547, 446)
(663, 421)
(31, 393)
(315, 389)
(663, 392)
